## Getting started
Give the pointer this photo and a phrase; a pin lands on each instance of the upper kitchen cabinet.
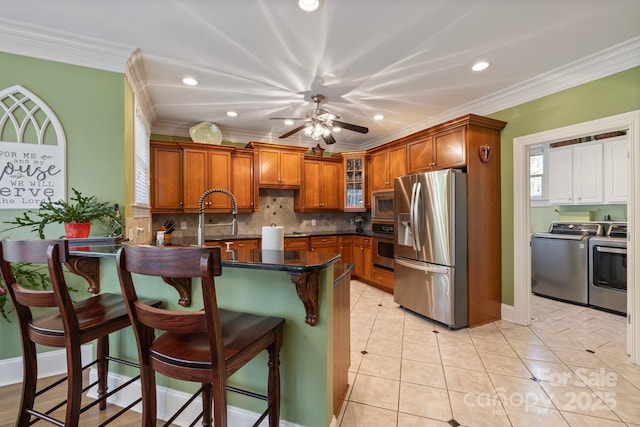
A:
(576, 174)
(428, 150)
(277, 166)
(206, 168)
(355, 180)
(242, 180)
(166, 177)
(386, 165)
(616, 169)
(321, 188)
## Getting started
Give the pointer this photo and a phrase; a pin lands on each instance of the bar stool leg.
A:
(29, 382)
(102, 351)
(74, 385)
(273, 387)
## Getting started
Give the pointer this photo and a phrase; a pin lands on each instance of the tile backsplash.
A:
(276, 207)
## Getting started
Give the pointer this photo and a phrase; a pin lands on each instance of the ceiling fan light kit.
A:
(319, 123)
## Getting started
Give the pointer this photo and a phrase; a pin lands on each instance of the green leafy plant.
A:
(80, 209)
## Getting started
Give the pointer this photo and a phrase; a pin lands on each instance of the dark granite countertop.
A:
(291, 261)
(366, 233)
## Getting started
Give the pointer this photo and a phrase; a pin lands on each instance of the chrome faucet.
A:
(234, 211)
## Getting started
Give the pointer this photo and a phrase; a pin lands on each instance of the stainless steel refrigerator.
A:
(430, 272)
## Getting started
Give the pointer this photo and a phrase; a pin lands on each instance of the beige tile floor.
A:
(569, 368)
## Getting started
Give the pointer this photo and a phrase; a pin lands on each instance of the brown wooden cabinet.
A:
(323, 243)
(450, 148)
(235, 243)
(277, 166)
(205, 168)
(384, 278)
(386, 165)
(242, 180)
(442, 150)
(346, 249)
(362, 257)
(166, 177)
(420, 154)
(321, 186)
(296, 243)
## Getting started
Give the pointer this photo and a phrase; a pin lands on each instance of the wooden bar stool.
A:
(204, 346)
(69, 326)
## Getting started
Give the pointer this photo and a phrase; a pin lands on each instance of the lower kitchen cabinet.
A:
(383, 278)
(362, 257)
(346, 249)
(296, 243)
(235, 244)
(323, 242)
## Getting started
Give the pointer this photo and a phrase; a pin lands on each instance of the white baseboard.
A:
(169, 401)
(507, 313)
(49, 363)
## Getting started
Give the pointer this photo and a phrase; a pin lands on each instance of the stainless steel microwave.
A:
(382, 205)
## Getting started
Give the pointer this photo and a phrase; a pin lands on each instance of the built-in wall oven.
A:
(383, 245)
(608, 269)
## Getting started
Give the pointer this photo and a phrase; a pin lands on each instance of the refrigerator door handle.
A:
(422, 266)
(412, 217)
(417, 216)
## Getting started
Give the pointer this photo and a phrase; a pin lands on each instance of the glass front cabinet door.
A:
(354, 181)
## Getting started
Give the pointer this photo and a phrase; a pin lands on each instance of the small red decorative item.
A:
(484, 151)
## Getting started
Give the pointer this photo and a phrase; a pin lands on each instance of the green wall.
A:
(89, 104)
(615, 94)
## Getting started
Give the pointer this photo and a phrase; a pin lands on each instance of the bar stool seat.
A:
(92, 315)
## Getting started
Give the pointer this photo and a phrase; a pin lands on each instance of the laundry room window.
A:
(537, 178)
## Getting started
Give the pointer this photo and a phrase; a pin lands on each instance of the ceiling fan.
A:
(319, 123)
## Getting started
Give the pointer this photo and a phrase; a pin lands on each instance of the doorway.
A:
(521, 233)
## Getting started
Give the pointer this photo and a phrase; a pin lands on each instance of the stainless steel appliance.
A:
(382, 206)
(383, 245)
(559, 260)
(430, 272)
(608, 270)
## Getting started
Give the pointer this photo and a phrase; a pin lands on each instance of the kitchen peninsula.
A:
(296, 285)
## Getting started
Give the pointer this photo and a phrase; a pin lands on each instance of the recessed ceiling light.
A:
(309, 5)
(190, 81)
(288, 122)
(378, 117)
(232, 114)
(337, 129)
(479, 66)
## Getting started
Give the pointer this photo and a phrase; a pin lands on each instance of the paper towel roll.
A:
(273, 238)
(272, 257)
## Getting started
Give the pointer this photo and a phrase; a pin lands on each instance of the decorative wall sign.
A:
(32, 151)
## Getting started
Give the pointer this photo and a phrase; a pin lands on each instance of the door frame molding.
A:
(521, 218)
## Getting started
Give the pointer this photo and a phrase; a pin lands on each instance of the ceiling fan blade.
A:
(292, 131)
(329, 139)
(349, 126)
(286, 118)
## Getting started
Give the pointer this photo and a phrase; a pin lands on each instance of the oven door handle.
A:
(611, 250)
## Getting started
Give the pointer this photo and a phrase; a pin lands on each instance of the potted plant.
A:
(76, 215)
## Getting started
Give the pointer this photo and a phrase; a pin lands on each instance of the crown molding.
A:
(137, 77)
(598, 65)
(59, 46)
